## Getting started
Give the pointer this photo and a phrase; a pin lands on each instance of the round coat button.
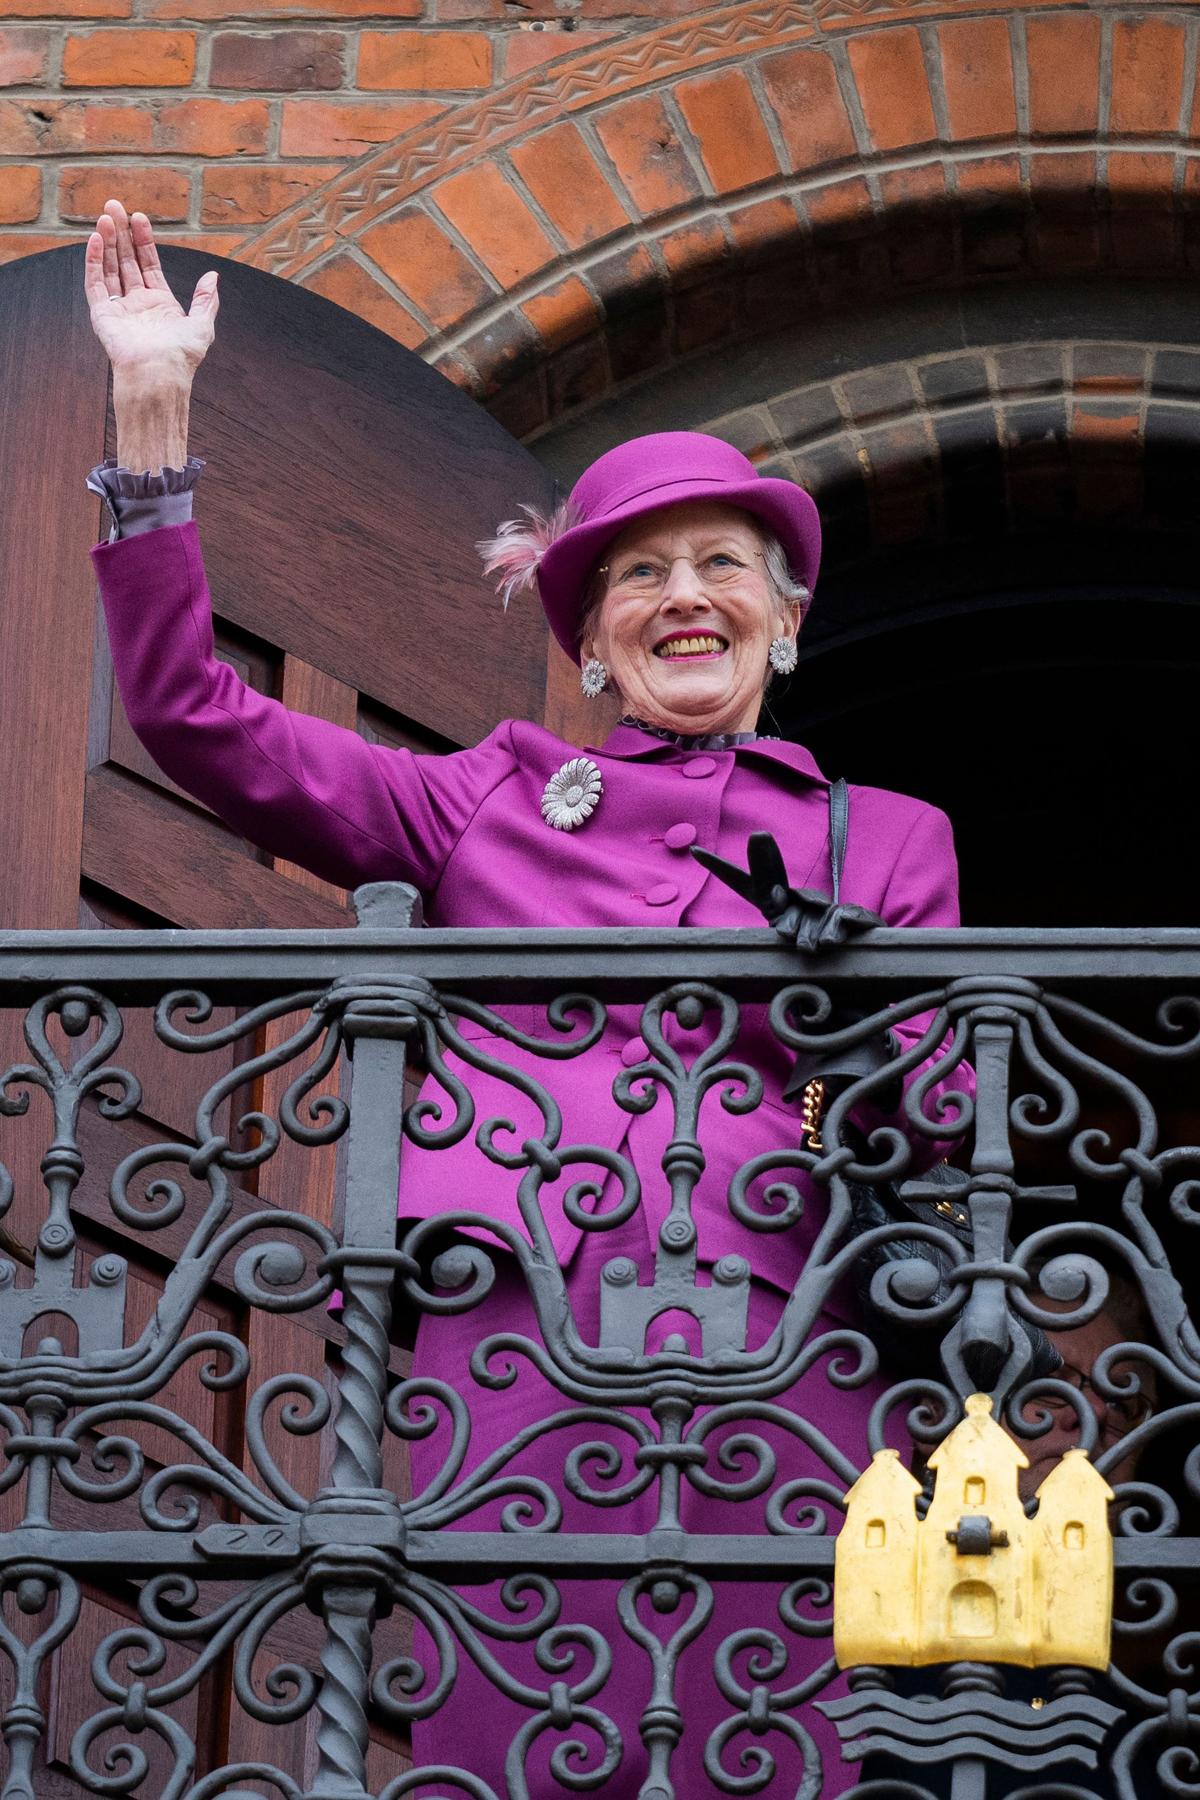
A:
(695, 766)
(679, 837)
(662, 894)
(634, 1051)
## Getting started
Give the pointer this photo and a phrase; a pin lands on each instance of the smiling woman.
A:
(686, 573)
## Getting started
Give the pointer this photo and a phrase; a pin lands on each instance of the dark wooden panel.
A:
(184, 1393)
(381, 725)
(187, 868)
(53, 393)
(172, 1085)
(92, 1211)
(52, 400)
(347, 486)
(73, 1698)
(299, 1175)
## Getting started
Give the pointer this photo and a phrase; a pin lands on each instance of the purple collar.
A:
(627, 742)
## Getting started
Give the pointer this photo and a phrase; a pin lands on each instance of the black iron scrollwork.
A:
(1074, 1210)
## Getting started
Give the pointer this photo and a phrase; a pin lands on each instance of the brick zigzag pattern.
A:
(293, 241)
(831, 12)
(352, 201)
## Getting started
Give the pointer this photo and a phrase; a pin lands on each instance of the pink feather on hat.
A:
(516, 551)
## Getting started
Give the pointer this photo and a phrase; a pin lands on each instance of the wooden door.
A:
(346, 486)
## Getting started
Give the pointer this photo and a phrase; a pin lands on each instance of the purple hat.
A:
(636, 478)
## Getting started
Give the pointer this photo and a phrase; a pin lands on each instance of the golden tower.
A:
(976, 1580)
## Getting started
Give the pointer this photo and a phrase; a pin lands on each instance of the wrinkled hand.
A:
(135, 315)
(806, 916)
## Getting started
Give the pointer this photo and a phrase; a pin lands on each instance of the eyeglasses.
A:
(1126, 1411)
(647, 576)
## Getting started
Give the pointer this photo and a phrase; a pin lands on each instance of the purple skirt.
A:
(476, 1724)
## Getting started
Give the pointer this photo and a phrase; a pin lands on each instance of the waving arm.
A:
(296, 786)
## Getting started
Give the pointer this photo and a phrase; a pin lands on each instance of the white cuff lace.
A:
(147, 501)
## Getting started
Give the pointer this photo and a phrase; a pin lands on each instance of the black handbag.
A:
(815, 1078)
(816, 921)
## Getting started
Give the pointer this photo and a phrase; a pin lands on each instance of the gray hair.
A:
(787, 589)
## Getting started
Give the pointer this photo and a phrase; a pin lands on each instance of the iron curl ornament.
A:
(1044, 1064)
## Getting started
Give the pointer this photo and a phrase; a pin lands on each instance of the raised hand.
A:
(154, 346)
(134, 313)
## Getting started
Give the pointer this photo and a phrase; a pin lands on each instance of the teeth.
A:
(691, 646)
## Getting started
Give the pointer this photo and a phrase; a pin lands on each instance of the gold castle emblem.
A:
(976, 1580)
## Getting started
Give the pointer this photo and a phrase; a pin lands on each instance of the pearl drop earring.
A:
(593, 678)
(782, 655)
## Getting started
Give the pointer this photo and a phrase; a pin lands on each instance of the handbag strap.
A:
(839, 827)
(813, 1099)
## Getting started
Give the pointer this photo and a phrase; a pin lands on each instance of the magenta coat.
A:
(467, 830)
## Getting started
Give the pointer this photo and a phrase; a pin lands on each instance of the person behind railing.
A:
(1085, 1366)
(677, 577)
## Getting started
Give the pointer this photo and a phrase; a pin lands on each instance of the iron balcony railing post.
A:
(354, 1531)
(24, 1722)
(985, 1329)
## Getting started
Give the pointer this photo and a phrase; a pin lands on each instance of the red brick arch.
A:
(1011, 437)
(624, 203)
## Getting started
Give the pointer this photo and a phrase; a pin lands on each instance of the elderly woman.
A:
(677, 577)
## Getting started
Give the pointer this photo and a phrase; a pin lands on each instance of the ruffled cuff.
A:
(147, 501)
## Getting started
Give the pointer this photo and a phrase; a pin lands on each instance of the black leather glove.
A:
(808, 917)
(813, 922)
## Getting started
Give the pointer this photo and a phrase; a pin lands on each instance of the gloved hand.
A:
(806, 916)
(813, 922)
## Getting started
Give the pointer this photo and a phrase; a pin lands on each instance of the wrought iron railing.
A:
(569, 1565)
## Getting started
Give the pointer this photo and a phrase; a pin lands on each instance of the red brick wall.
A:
(507, 184)
(214, 116)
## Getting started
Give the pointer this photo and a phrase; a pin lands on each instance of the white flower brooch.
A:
(571, 794)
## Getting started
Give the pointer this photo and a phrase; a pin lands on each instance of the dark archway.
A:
(1009, 620)
(1056, 725)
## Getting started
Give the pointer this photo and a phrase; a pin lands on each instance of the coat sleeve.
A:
(298, 787)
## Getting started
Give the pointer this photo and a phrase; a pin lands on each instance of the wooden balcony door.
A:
(346, 486)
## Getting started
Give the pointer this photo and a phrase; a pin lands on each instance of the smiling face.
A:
(687, 617)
